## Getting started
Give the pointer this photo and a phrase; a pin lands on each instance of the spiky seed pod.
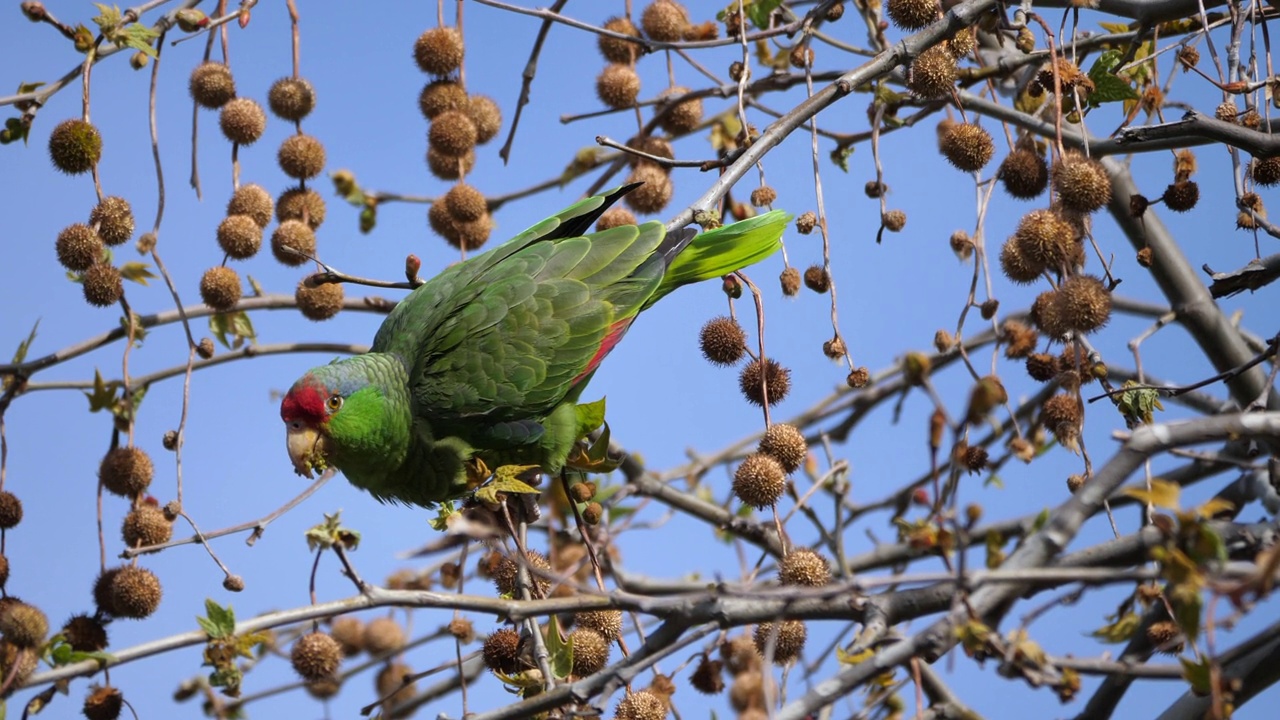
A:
(114, 218)
(243, 121)
(1265, 171)
(102, 597)
(239, 236)
(961, 244)
(16, 663)
(103, 703)
(301, 156)
(1016, 265)
(252, 201)
(452, 133)
(987, 394)
(85, 633)
(615, 50)
(348, 630)
(1084, 303)
(786, 444)
(291, 98)
(1075, 482)
(320, 302)
(23, 625)
(763, 196)
(220, 288)
(967, 146)
(1081, 183)
(650, 145)
(759, 481)
(790, 280)
(913, 14)
(75, 146)
(1162, 633)
(4, 570)
(1181, 196)
(806, 223)
(146, 525)
(893, 220)
(723, 341)
(590, 651)
(804, 567)
(615, 217)
(654, 194)
(642, 705)
(324, 688)
(462, 630)
(439, 51)
(299, 204)
(933, 73)
(739, 655)
(817, 279)
(684, 116)
(1024, 174)
(102, 284)
(606, 622)
(747, 691)
(448, 167)
(383, 635)
(470, 235)
(618, 86)
(777, 377)
(315, 656)
(963, 42)
(293, 235)
(1250, 119)
(211, 85)
(1252, 201)
(1047, 316)
(708, 677)
(874, 189)
(789, 643)
(1062, 415)
(486, 115)
(465, 203)
(506, 575)
(135, 592)
(975, 458)
(440, 96)
(664, 21)
(501, 651)
(1226, 111)
(1045, 239)
(1042, 367)
(79, 247)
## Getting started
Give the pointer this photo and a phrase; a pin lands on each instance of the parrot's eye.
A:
(334, 402)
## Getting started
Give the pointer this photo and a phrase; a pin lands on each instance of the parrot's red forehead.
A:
(305, 402)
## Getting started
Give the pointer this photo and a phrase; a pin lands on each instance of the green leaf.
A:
(103, 396)
(589, 417)
(109, 18)
(1139, 404)
(21, 353)
(139, 332)
(1041, 520)
(139, 37)
(1120, 630)
(222, 620)
(840, 156)
(444, 511)
(758, 11)
(232, 329)
(330, 533)
(1198, 674)
(561, 651)
(137, 272)
(1109, 87)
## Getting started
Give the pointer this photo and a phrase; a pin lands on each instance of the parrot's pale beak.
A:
(305, 448)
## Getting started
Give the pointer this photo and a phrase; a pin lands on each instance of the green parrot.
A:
(486, 361)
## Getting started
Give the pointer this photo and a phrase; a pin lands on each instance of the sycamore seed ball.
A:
(465, 203)
(102, 284)
(642, 705)
(664, 21)
(615, 217)
(290, 236)
(606, 622)
(1045, 239)
(315, 656)
(933, 73)
(348, 630)
(1017, 266)
(723, 341)
(85, 633)
(590, 651)
(254, 201)
(239, 236)
(763, 196)
(23, 625)
(438, 96)
(759, 481)
(1082, 184)
(390, 684)
(1182, 196)
(291, 98)
(684, 116)
(967, 146)
(75, 146)
(654, 194)
(211, 85)
(1061, 410)
(804, 567)
(448, 167)
(770, 373)
(506, 575)
(452, 133)
(786, 444)
(135, 593)
(912, 14)
(114, 219)
(618, 86)
(894, 220)
(501, 651)
(1046, 315)
(243, 121)
(146, 525)
(383, 635)
(220, 288)
(817, 279)
(10, 510)
(439, 51)
(789, 643)
(320, 302)
(79, 247)
(486, 115)
(1265, 171)
(1024, 174)
(104, 703)
(1084, 303)
(790, 281)
(301, 157)
(299, 204)
(708, 677)
(615, 50)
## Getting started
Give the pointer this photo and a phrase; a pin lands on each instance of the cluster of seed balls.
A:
(299, 210)
(618, 87)
(458, 123)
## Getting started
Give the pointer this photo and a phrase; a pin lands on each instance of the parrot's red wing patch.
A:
(304, 402)
(612, 338)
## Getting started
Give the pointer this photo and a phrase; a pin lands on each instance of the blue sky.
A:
(663, 398)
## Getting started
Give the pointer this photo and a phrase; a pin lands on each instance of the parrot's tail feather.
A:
(723, 250)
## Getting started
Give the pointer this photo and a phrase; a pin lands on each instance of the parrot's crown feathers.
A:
(305, 401)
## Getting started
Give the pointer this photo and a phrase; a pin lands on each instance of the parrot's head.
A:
(350, 415)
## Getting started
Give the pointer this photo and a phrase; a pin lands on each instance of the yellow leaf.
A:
(1162, 494)
(1214, 506)
(1115, 27)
